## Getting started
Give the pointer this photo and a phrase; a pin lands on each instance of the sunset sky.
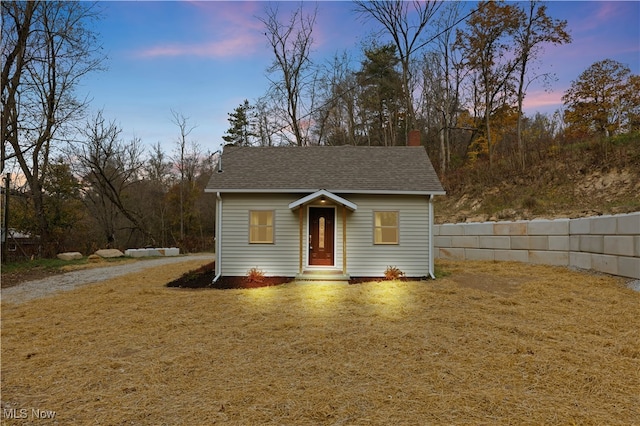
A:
(202, 59)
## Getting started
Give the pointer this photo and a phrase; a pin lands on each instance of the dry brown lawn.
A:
(491, 343)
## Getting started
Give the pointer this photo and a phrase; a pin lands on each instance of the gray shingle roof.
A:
(339, 169)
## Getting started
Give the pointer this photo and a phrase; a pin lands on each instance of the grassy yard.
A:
(490, 343)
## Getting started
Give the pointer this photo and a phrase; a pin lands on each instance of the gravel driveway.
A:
(68, 281)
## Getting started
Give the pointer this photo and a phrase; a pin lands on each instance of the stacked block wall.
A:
(609, 244)
(146, 252)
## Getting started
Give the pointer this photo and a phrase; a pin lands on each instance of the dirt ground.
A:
(203, 278)
(15, 278)
(488, 343)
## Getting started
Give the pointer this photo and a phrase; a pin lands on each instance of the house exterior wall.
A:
(238, 256)
(411, 255)
(364, 258)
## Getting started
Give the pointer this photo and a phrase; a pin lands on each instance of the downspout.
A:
(218, 265)
(431, 274)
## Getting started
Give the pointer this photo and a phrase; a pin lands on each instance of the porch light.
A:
(323, 200)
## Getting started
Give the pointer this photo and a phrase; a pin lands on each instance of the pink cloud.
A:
(242, 45)
(601, 13)
(542, 101)
(608, 11)
(241, 15)
(229, 29)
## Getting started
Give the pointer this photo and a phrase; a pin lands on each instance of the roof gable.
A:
(338, 169)
(322, 194)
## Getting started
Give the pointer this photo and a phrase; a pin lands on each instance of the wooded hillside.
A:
(576, 180)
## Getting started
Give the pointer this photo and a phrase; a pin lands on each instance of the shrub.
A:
(393, 273)
(255, 276)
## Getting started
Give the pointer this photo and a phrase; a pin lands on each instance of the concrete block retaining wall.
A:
(608, 244)
(145, 252)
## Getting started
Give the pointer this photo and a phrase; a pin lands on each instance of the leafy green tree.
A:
(63, 207)
(381, 99)
(241, 131)
(405, 22)
(600, 102)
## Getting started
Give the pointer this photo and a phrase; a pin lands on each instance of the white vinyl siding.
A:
(364, 258)
(239, 255)
(410, 255)
(278, 259)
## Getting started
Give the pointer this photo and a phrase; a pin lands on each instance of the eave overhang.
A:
(302, 190)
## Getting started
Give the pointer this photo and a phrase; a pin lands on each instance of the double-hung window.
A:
(261, 227)
(386, 227)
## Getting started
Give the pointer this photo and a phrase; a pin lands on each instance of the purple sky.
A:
(203, 59)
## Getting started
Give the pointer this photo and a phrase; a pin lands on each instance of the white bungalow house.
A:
(343, 210)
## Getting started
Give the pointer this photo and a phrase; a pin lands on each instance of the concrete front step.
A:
(322, 276)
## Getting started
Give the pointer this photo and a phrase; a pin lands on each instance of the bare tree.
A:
(16, 26)
(158, 172)
(335, 118)
(111, 169)
(47, 47)
(535, 29)
(442, 79)
(186, 158)
(291, 44)
(265, 129)
(405, 22)
(158, 167)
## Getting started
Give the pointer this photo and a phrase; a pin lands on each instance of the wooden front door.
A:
(321, 221)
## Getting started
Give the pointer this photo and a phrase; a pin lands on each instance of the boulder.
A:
(70, 255)
(109, 253)
(94, 258)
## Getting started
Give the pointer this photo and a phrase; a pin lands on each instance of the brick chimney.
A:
(414, 138)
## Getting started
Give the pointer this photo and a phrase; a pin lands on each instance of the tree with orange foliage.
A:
(486, 44)
(602, 100)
